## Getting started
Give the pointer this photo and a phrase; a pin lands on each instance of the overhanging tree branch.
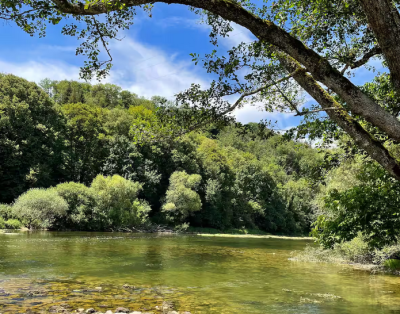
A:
(239, 101)
(339, 115)
(256, 91)
(320, 68)
(372, 53)
(101, 36)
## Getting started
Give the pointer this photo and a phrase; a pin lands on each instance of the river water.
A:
(198, 274)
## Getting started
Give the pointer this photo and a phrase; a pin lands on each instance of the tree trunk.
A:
(384, 20)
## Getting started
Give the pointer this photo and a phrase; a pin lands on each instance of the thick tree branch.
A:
(340, 116)
(320, 68)
(372, 53)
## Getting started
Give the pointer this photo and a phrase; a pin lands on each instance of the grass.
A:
(356, 253)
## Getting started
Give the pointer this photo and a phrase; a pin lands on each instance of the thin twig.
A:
(102, 40)
(240, 99)
(314, 111)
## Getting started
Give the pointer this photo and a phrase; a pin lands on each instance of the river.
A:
(198, 274)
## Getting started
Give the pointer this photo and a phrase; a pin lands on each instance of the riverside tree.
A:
(299, 45)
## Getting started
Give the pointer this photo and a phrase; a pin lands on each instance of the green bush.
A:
(356, 250)
(393, 264)
(40, 208)
(81, 205)
(5, 211)
(117, 204)
(14, 224)
(181, 200)
(2, 223)
(371, 208)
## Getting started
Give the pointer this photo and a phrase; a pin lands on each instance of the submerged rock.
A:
(126, 286)
(122, 310)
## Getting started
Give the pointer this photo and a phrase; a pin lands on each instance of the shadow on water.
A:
(199, 274)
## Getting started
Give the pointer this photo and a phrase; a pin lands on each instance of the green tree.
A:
(369, 206)
(298, 45)
(67, 92)
(86, 141)
(182, 199)
(81, 214)
(104, 95)
(31, 138)
(118, 203)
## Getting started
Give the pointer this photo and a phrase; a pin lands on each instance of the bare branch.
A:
(314, 111)
(101, 35)
(240, 99)
(244, 95)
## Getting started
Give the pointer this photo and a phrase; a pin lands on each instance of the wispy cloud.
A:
(149, 71)
(36, 70)
(141, 68)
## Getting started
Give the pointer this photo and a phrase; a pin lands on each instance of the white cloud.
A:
(149, 71)
(141, 68)
(237, 36)
(256, 114)
(36, 70)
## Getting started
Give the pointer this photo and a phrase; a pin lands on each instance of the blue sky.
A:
(152, 59)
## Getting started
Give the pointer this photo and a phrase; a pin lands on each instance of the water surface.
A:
(198, 274)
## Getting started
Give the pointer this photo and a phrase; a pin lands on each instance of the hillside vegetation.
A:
(76, 156)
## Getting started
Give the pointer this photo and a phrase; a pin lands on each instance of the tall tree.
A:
(300, 45)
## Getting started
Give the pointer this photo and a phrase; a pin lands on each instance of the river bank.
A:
(253, 236)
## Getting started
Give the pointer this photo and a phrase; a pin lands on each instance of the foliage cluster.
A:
(110, 203)
(220, 178)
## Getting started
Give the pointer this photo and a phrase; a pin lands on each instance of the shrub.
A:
(2, 223)
(5, 211)
(393, 264)
(117, 202)
(371, 207)
(39, 208)
(356, 250)
(81, 205)
(14, 224)
(181, 200)
(386, 253)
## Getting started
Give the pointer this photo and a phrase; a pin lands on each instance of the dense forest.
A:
(76, 156)
(76, 146)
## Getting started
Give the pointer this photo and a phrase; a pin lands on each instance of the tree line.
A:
(217, 178)
(94, 165)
